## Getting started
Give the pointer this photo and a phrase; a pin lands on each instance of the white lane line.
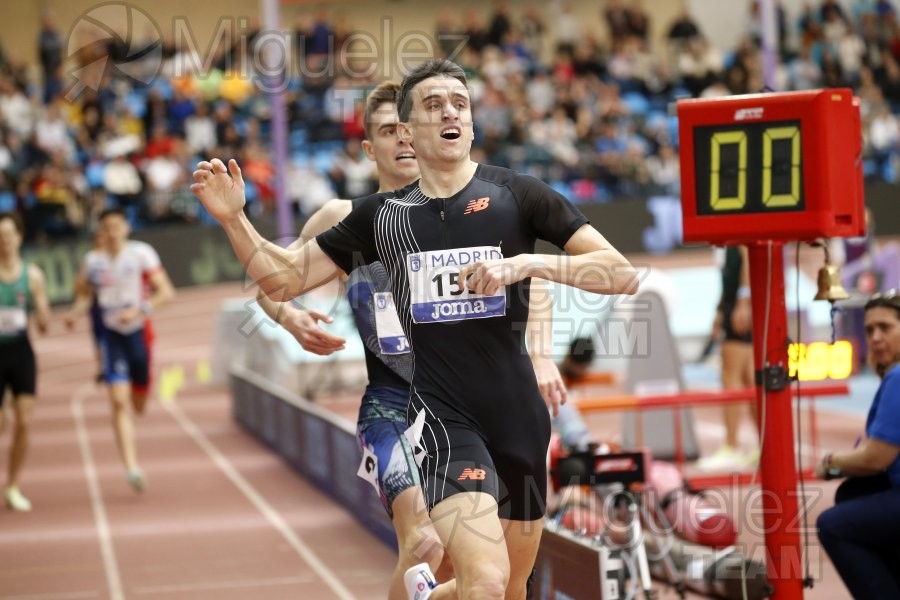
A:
(221, 585)
(59, 596)
(259, 502)
(110, 565)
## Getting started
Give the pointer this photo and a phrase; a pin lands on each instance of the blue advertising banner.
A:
(321, 447)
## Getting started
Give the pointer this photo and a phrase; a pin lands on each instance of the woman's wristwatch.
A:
(831, 472)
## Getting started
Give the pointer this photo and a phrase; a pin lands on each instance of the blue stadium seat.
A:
(7, 202)
(163, 86)
(636, 103)
(136, 102)
(869, 167)
(250, 191)
(889, 171)
(132, 211)
(323, 160)
(93, 172)
(562, 187)
(673, 129)
(297, 140)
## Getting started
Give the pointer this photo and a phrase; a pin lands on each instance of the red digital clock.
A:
(779, 166)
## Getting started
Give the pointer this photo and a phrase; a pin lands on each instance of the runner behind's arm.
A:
(304, 324)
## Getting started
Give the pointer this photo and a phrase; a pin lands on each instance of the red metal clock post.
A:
(762, 170)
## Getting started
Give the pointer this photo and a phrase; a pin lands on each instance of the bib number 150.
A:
(453, 286)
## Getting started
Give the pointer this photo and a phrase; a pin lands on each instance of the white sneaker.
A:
(419, 581)
(725, 458)
(751, 459)
(16, 501)
(137, 480)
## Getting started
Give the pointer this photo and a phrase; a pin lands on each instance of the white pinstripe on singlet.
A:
(394, 239)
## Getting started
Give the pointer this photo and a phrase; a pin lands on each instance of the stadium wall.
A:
(19, 28)
(202, 255)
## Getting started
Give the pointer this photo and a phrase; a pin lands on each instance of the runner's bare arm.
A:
(539, 337)
(282, 274)
(83, 295)
(38, 286)
(592, 264)
(330, 214)
(163, 290)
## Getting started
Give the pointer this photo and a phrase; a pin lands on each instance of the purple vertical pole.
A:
(769, 30)
(277, 55)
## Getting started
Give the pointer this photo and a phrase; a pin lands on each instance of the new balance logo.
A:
(476, 205)
(473, 474)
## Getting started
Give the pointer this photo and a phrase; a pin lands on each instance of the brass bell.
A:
(830, 286)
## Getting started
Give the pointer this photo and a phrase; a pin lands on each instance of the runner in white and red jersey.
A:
(129, 282)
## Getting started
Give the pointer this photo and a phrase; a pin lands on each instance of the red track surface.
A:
(223, 517)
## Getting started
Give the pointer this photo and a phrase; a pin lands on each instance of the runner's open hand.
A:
(222, 194)
(550, 382)
(304, 326)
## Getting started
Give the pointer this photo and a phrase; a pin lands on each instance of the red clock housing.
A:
(778, 166)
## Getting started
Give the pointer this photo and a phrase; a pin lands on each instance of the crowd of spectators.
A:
(584, 106)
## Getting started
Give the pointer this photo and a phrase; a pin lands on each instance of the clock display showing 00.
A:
(782, 166)
(749, 168)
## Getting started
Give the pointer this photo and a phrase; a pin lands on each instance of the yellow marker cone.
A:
(167, 388)
(204, 373)
(178, 377)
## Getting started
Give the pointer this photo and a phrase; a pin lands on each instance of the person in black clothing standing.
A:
(734, 325)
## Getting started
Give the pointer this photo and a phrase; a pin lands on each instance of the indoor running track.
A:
(223, 517)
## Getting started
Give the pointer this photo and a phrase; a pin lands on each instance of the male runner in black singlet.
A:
(458, 246)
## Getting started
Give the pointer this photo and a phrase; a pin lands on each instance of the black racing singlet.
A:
(476, 369)
(483, 424)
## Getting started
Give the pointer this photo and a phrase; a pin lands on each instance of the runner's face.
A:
(883, 335)
(441, 121)
(100, 239)
(394, 156)
(10, 238)
(115, 230)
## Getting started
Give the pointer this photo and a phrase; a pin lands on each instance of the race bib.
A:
(13, 320)
(391, 339)
(368, 468)
(436, 293)
(110, 297)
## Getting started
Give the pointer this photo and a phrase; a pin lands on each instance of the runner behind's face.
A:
(10, 238)
(115, 230)
(396, 159)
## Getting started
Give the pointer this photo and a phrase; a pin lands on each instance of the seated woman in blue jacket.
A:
(861, 533)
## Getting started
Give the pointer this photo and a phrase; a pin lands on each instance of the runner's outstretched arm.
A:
(281, 273)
